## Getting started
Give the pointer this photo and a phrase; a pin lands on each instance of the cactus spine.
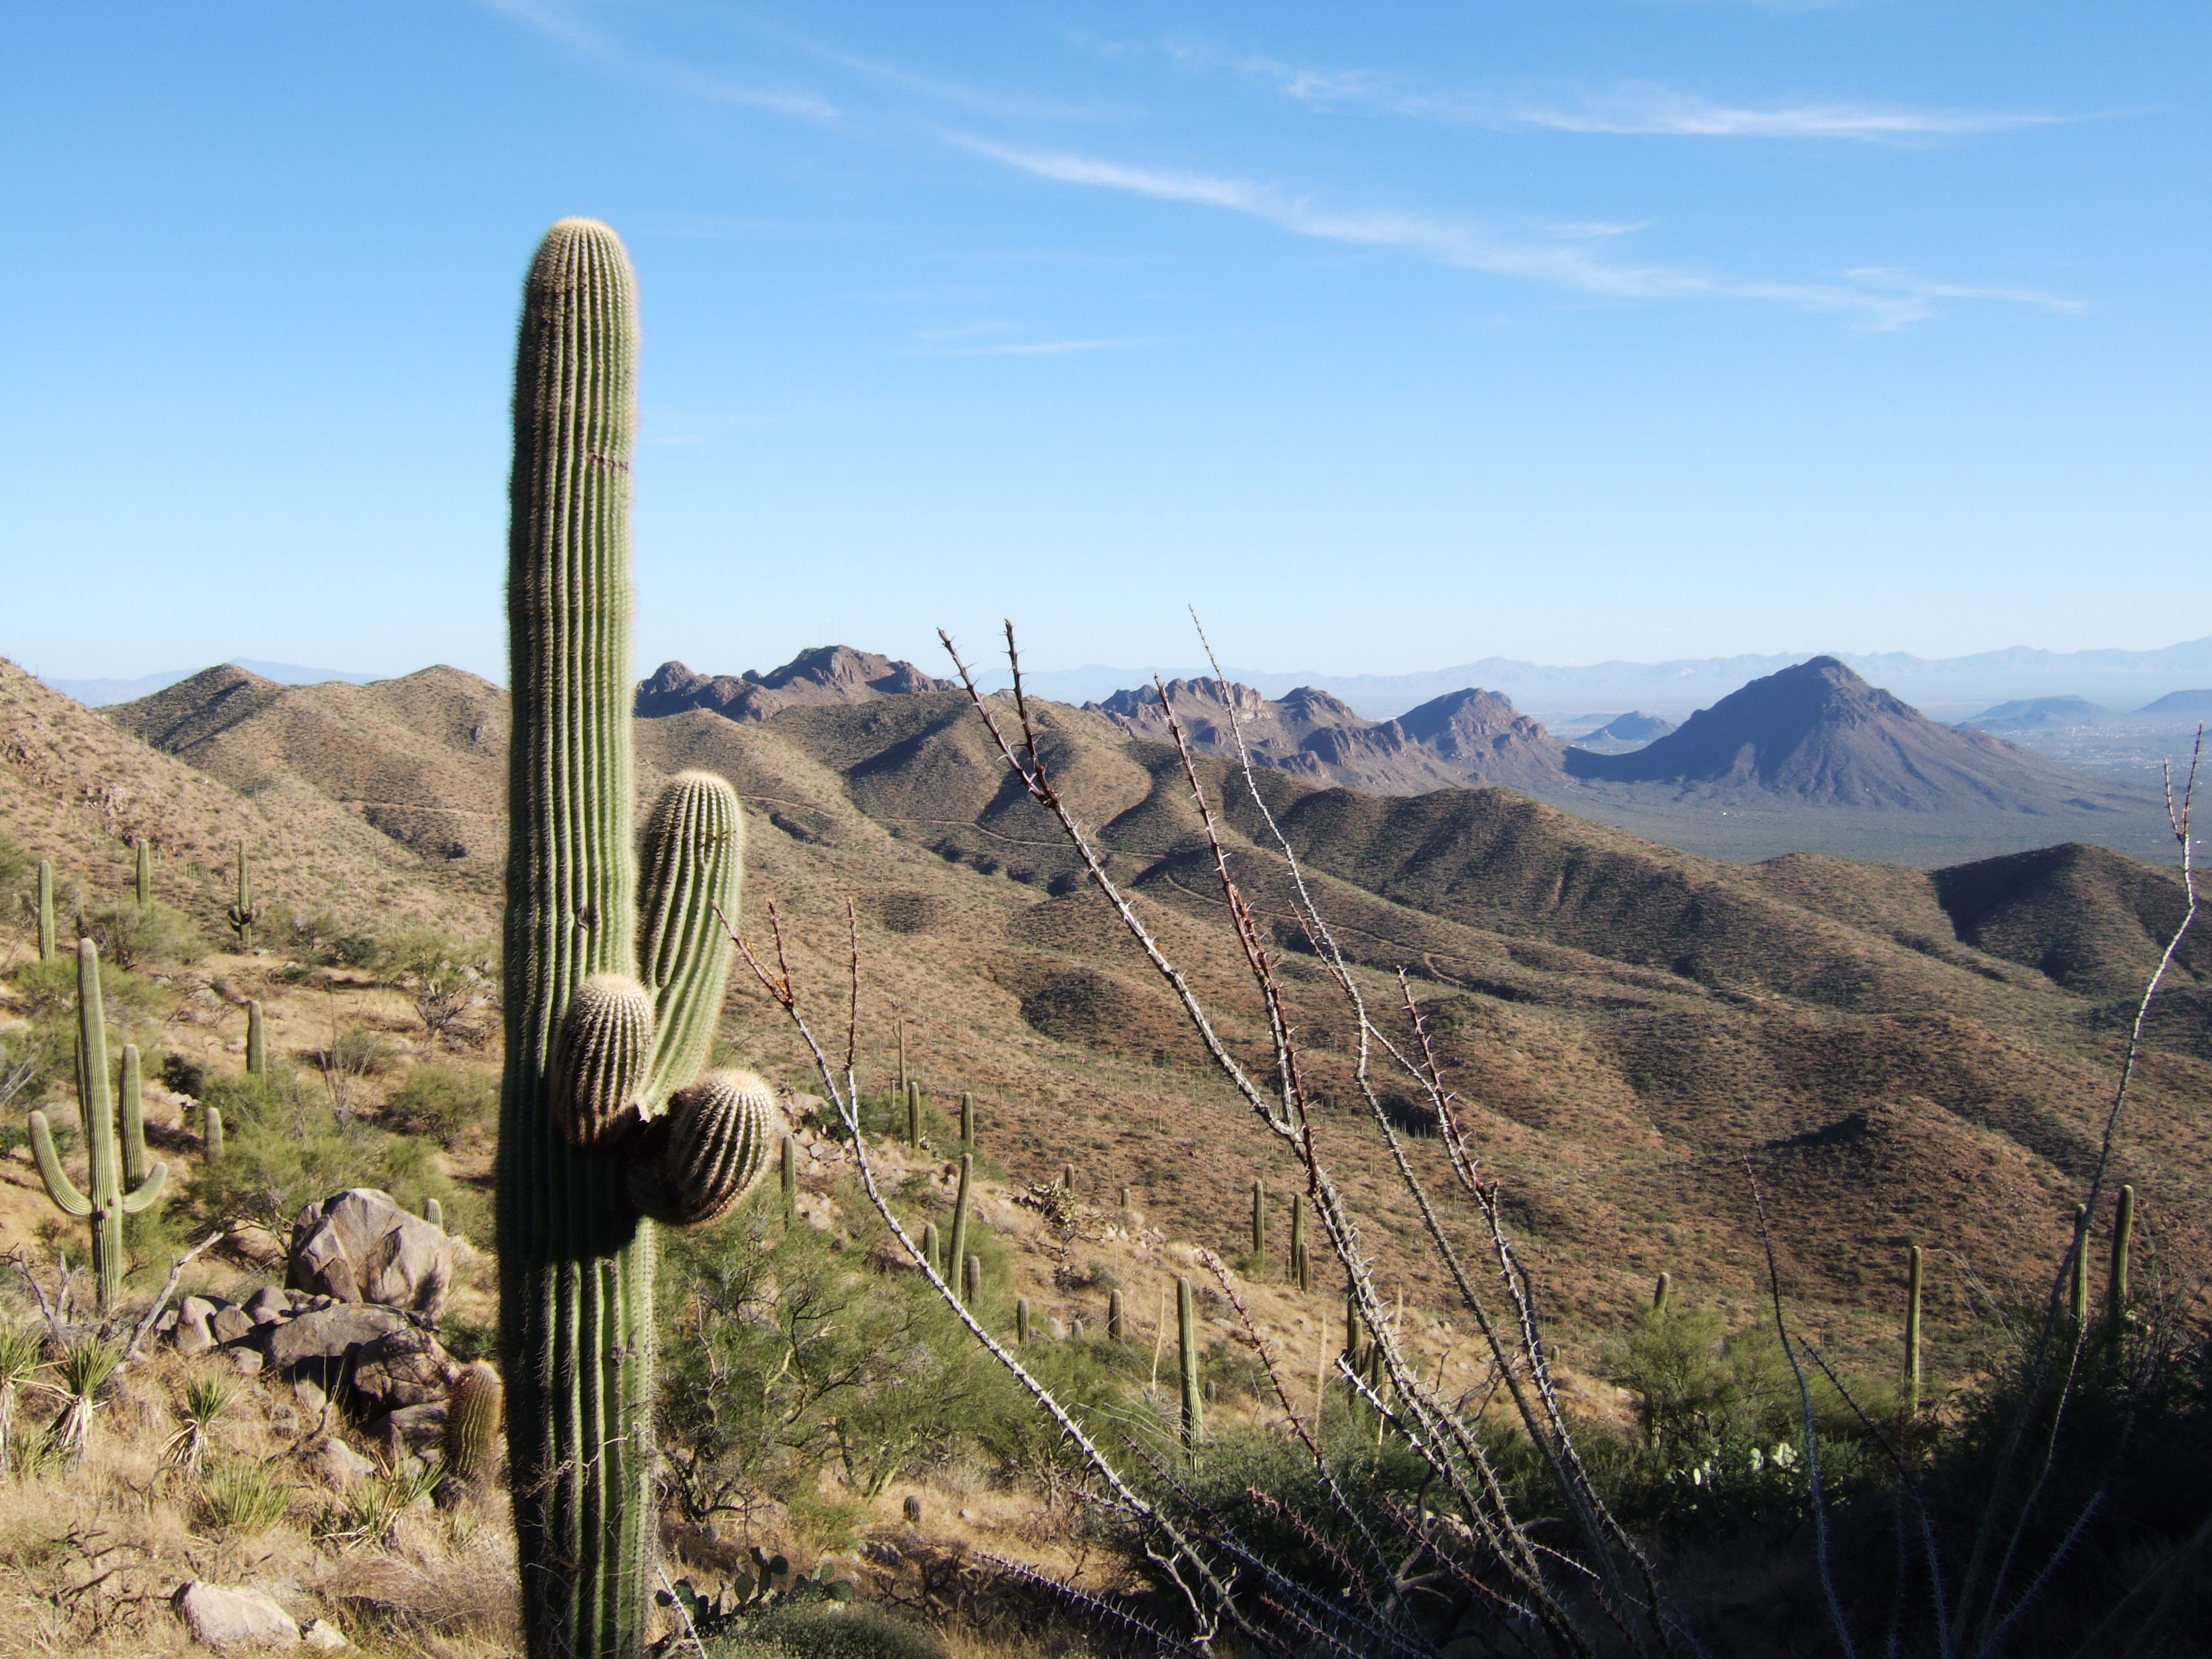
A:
(1912, 1333)
(579, 1151)
(257, 1041)
(241, 914)
(1117, 1323)
(789, 1176)
(958, 1244)
(1259, 1222)
(109, 1197)
(473, 1408)
(1661, 1293)
(45, 909)
(1187, 1364)
(967, 1120)
(145, 876)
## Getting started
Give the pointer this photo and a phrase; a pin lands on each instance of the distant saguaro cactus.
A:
(45, 909)
(241, 913)
(144, 883)
(929, 1242)
(1022, 1318)
(1661, 1293)
(788, 1173)
(2078, 1277)
(1194, 1410)
(1913, 1333)
(257, 1041)
(434, 1214)
(913, 1114)
(211, 1133)
(974, 1277)
(615, 980)
(473, 1408)
(967, 1120)
(1259, 1222)
(1301, 1263)
(958, 1244)
(2124, 1233)
(1067, 1178)
(109, 1197)
(1117, 1324)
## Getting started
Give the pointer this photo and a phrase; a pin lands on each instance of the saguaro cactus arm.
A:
(694, 865)
(59, 1187)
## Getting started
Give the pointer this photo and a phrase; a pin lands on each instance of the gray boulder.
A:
(407, 1367)
(408, 1430)
(231, 1616)
(320, 1347)
(359, 1246)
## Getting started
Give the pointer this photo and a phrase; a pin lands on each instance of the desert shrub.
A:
(133, 935)
(826, 1630)
(324, 941)
(445, 1103)
(285, 1146)
(49, 989)
(448, 979)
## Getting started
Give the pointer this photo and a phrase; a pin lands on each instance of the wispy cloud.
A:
(559, 22)
(1634, 108)
(1876, 298)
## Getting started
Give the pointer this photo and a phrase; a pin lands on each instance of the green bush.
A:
(132, 935)
(284, 1146)
(827, 1630)
(446, 1103)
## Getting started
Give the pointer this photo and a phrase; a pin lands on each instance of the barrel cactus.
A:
(112, 1192)
(615, 983)
(473, 1408)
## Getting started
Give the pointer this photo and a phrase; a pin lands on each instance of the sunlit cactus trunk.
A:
(1912, 1333)
(601, 1124)
(45, 909)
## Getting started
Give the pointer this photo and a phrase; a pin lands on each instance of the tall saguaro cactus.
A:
(1912, 1333)
(614, 985)
(45, 909)
(1194, 1409)
(110, 1193)
(241, 913)
(143, 880)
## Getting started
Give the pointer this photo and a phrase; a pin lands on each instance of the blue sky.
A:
(1640, 330)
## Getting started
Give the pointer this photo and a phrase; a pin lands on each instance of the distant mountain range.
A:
(1955, 685)
(99, 694)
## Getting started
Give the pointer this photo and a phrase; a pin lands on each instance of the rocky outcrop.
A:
(359, 1246)
(231, 1616)
(825, 674)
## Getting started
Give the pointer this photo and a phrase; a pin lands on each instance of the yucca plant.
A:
(19, 1365)
(84, 1368)
(240, 1498)
(206, 1399)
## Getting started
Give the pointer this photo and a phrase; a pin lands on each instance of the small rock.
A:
(168, 1321)
(267, 1305)
(230, 1323)
(248, 1361)
(231, 1616)
(339, 1464)
(193, 1336)
(310, 1395)
(882, 1554)
(410, 1428)
(320, 1633)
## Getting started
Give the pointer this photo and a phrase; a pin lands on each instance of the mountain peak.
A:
(820, 674)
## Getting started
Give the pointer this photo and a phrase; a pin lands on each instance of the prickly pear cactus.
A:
(614, 985)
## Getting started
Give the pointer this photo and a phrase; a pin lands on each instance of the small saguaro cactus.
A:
(434, 1214)
(968, 1119)
(2078, 1277)
(788, 1174)
(616, 962)
(257, 1041)
(1125, 1195)
(144, 883)
(1913, 1333)
(2123, 1234)
(1117, 1321)
(974, 1276)
(901, 1054)
(958, 1244)
(1662, 1292)
(1354, 1349)
(211, 1133)
(1301, 1266)
(241, 914)
(473, 1408)
(1067, 1178)
(45, 909)
(1022, 1320)
(108, 1199)
(929, 1243)
(914, 1114)
(1194, 1410)
(1259, 1220)
(912, 1509)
